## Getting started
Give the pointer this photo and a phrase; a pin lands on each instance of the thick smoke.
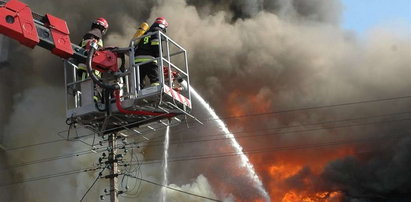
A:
(254, 58)
(305, 10)
(9, 193)
(33, 122)
(4, 49)
(245, 57)
(384, 175)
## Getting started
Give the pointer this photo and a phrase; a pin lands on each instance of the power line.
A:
(247, 115)
(137, 170)
(65, 173)
(281, 133)
(85, 194)
(98, 177)
(304, 109)
(280, 128)
(217, 155)
(313, 108)
(239, 132)
(174, 189)
(33, 145)
(271, 149)
(93, 169)
(48, 159)
(193, 141)
(64, 139)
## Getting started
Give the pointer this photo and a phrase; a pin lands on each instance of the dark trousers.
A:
(151, 71)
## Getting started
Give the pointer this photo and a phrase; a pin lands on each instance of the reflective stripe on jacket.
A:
(144, 58)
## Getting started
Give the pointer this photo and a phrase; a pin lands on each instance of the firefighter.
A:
(148, 49)
(99, 28)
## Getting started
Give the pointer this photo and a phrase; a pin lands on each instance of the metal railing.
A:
(170, 53)
(172, 58)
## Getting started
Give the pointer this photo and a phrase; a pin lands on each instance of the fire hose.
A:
(93, 49)
(136, 112)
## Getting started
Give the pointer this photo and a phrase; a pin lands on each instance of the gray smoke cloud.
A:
(383, 173)
(9, 193)
(305, 10)
(245, 57)
(257, 60)
(4, 49)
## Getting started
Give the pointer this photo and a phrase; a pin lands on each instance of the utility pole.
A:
(112, 160)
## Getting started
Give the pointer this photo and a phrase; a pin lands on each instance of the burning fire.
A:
(278, 168)
(288, 164)
(239, 103)
(282, 172)
(292, 196)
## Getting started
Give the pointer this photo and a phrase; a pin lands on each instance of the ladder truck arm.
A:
(18, 22)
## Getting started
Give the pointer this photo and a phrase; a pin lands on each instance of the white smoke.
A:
(36, 118)
(199, 186)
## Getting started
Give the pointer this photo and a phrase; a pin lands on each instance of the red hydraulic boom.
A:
(17, 21)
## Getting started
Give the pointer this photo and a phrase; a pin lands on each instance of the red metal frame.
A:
(60, 34)
(105, 61)
(16, 21)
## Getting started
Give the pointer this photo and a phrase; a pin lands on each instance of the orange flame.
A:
(276, 167)
(282, 171)
(292, 196)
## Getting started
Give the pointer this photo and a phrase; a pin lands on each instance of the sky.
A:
(362, 15)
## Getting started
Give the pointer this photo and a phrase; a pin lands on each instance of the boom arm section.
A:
(17, 21)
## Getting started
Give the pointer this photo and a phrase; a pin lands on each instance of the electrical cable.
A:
(47, 159)
(286, 132)
(237, 137)
(287, 127)
(246, 116)
(98, 177)
(139, 173)
(65, 173)
(33, 145)
(154, 140)
(271, 149)
(219, 155)
(313, 108)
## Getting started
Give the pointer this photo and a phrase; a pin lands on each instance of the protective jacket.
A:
(149, 45)
(147, 50)
(91, 35)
